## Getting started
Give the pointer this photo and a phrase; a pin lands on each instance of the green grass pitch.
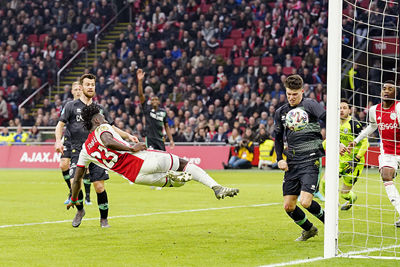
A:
(184, 226)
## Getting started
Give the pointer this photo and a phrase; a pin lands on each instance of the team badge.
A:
(346, 131)
(393, 115)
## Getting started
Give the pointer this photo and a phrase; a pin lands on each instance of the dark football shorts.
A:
(155, 144)
(302, 177)
(67, 151)
(96, 173)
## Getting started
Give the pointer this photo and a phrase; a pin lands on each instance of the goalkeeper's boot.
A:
(87, 200)
(319, 196)
(348, 204)
(181, 177)
(66, 202)
(104, 223)
(78, 217)
(305, 235)
(222, 191)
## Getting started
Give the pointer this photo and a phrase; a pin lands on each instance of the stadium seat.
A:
(271, 69)
(32, 38)
(238, 60)
(235, 34)
(221, 51)
(228, 43)
(239, 41)
(81, 38)
(251, 60)
(287, 70)
(42, 36)
(297, 61)
(267, 61)
(208, 80)
(247, 33)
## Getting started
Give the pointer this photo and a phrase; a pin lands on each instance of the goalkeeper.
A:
(351, 163)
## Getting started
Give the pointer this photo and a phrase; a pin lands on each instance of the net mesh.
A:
(369, 58)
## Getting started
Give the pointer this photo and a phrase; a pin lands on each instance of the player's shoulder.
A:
(283, 108)
(309, 102)
(105, 127)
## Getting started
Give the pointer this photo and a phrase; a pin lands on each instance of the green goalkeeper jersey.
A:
(349, 130)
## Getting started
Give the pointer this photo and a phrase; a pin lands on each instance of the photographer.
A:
(245, 154)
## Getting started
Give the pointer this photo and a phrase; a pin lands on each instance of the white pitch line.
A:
(293, 262)
(143, 214)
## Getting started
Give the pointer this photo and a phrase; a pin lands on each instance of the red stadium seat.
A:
(239, 41)
(267, 61)
(235, 34)
(297, 61)
(228, 43)
(81, 38)
(287, 70)
(247, 33)
(208, 80)
(32, 38)
(221, 51)
(237, 61)
(271, 69)
(251, 60)
(42, 36)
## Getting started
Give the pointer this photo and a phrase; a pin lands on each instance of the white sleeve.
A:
(84, 158)
(372, 126)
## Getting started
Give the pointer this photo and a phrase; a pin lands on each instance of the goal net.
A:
(369, 57)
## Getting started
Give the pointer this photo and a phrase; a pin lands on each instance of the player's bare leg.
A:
(387, 175)
(199, 175)
(348, 195)
(102, 201)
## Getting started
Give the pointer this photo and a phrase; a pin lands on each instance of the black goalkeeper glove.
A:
(351, 165)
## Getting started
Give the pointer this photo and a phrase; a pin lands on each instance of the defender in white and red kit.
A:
(105, 148)
(385, 117)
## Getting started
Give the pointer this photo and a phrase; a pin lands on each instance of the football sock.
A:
(80, 200)
(102, 201)
(67, 178)
(300, 218)
(393, 195)
(200, 175)
(350, 196)
(86, 182)
(316, 210)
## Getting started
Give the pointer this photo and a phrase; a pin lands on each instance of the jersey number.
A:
(105, 157)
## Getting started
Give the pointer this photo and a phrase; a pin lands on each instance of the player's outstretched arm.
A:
(140, 77)
(76, 186)
(126, 135)
(59, 147)
(109, 142)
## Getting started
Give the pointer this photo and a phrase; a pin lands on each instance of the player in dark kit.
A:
(71, 115)
(156, 119)
(303, 155)
(66, 155)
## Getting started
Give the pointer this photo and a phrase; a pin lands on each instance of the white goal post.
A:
(363, 52)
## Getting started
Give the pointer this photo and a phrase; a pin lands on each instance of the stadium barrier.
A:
(207, 157)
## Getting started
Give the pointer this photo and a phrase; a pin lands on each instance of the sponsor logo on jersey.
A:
(78, 110)
(387, 126)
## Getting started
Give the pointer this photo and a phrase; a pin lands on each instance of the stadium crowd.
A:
(217, 66)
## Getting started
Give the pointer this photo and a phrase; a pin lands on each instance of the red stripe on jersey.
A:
(172, 162)
(80, 166)
(388, 126)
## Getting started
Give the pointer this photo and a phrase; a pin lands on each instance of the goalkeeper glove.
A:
(351, 165)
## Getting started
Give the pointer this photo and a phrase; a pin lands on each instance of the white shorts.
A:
(391, 161)
(155, 166)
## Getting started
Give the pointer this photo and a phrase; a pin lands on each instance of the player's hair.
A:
(87, 75)
(294, 82)
(87, 114)
(344, 100)
(76, 82)
(390, 82)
